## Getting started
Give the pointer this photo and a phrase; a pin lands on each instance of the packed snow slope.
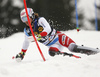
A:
(58, 66)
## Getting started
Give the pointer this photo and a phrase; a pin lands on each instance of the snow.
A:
(58, 66)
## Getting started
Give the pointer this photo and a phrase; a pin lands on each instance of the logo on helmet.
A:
(23, 13)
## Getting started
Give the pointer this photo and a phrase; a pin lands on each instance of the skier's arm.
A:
(46, 27)
(25, 44)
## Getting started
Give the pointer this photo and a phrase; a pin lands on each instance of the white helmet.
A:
(24, 16)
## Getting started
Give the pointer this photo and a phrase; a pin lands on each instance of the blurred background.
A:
(61, 14)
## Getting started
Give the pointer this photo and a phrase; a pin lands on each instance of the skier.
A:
(45, 34)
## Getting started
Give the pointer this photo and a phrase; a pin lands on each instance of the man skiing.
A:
(45, 34)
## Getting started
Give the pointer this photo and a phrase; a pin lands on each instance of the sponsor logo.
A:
(40, 29)
(35, 32)
(63, 39)
(49, 39)
(23, 13)
(67, 41)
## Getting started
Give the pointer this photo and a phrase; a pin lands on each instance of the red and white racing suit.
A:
(55, 40)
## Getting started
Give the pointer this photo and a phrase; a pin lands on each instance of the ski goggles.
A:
(24, 19)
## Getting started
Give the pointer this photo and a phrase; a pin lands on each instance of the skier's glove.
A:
(20, 55)
(39, 37)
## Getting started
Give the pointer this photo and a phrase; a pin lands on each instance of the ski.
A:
(86, 50)
(67, 54)
(70, 55)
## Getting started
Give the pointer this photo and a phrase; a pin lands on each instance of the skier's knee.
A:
(51, 53)
(72, 46)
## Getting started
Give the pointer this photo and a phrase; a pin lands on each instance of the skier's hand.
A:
(20, 56)
(39, 37)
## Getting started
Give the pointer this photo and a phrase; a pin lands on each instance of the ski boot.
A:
(85, 50)
(53, 53)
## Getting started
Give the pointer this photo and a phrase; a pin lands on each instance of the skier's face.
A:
(26, 22)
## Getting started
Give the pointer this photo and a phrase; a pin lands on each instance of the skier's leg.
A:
(70, 44)
(85, 50)
(82, 49)
(65, 41)
(55, 49)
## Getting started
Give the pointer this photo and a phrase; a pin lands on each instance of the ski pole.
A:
(70, 55)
